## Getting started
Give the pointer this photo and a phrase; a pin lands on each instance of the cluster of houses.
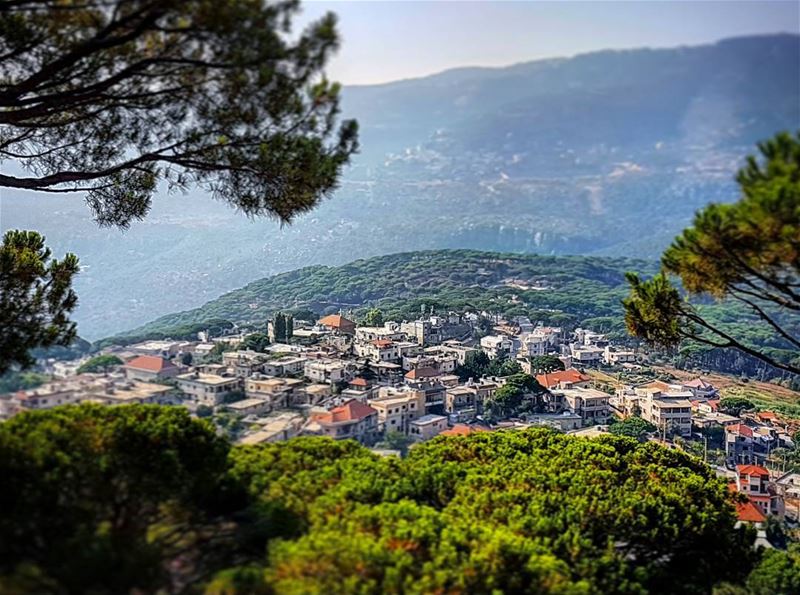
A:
(349, 381)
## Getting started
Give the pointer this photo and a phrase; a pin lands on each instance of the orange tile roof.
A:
(335, 321)
(740, 429)
(571, 376)
(358, 382)
(353, 410)
(151, 363)
(749, 512)
(767, 415)
(423, 372)
(751, 470)
(462, 430)
(381, 343)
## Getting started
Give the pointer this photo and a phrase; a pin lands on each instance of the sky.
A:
(390, 40)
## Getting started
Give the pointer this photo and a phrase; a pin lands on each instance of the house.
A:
(150, 367)
(247, 407)
(208, 389)
(669, 412)
(746, 444)
(700, 388)
(564, 422)
(243, 363)
(442, 362)
(590, 404)
(452, 347)
(427, 427)
(462, 402)
(274, 428)
(338, 324)
(379, 350)
(754, 482)
(352, 420)
(497, 345)
(278, 392)
(397, 409)
(131, 392)
(325, 371)
(564, 379)
(288, 365)
(614, 357)
(390, 331)
(586, 354)
(421, 375)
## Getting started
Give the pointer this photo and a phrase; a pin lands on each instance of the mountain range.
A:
(608, 153)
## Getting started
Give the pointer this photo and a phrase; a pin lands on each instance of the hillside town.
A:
(390, 385)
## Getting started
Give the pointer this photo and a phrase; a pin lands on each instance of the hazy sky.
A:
(389, 40)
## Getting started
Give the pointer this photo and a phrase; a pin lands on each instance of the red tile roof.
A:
(353, 410)
(552, 379)
(698, 383)
(749, 512)
(751, 470)
(358, 382)
(740, 429)
(336, 321)
(150, 363)
(417, 373)
(770, 415)
(382, 343)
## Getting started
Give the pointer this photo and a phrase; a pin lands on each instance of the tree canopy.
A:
(118, 97)
(545, 364)
(747, 253)
(633, 427)
(115, 499)
(36, 298)
(100, 363)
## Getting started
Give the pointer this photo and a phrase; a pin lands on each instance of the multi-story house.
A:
(670, 412)
(592, 405)
(398, 408)
(326, 371)
(563, 379)
(754, 481)
(497, 345)
(245, 362)
(462, 402)
(352, 420)
(278, 392)
(379, 350)
(208, 389)
(289, 365)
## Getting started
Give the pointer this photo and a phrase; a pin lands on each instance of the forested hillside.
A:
(554, 289)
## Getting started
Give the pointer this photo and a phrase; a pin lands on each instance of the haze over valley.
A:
(607, 154)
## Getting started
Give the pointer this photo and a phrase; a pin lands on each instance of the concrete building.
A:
(590, 404)
(352, 420)
(398, 408)
(208, 389)
(247, 407)
(427, 427)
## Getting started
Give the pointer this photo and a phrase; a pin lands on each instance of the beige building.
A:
(278, 392)
(351, 421)
(427, 427)
(207, 389)
(669, 412)
(592, 405)
(397, 409)
(325, 371)
(290, 365)
(150, 367)
(128, 393)
(247, 407)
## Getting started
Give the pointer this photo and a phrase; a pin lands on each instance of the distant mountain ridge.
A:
(607, 153)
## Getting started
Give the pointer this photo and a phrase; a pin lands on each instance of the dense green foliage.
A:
(36, 298)
(100, 363)
(107, 499)
(117, 97)
(633, 427)
(562, 290)
(255, 342)
(542, 364)
(747, 253)
(95, 498)
(777, 573)
(735, 405)
(14, 381)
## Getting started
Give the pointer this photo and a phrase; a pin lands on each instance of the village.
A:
(393, 384)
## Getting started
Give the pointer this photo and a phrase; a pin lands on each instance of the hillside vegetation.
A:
(555, 289)
(146, 499)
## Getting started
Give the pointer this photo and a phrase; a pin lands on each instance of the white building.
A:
(207, 389)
